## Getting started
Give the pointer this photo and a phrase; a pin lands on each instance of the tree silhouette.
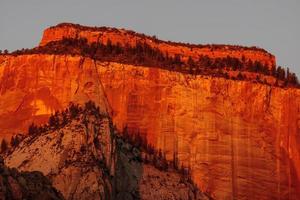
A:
(74, 110)
(54, 120)
(240, 76)
(143, 54)
(33, 129)
(4, 146)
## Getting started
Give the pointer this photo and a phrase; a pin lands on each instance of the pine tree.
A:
(74, 110)
(32, 130)
(4, 146)
(51, 120)
(240, 76)
(64, 118)
(54, 120)
(12, 141)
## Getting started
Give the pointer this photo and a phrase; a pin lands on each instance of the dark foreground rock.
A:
(25, 185)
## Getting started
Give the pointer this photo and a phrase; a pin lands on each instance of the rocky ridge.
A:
(84, 159)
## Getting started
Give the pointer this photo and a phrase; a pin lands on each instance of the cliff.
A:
(233, 134)
(34, 86)
(123, 37)
(240, 138)
(85, 159)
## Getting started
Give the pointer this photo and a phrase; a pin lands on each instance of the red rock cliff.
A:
(241, 139)
(129, 37)
(34, 86)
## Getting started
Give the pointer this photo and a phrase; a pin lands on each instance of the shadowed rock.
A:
(25, 185)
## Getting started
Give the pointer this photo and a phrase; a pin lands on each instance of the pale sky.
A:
(271, 24)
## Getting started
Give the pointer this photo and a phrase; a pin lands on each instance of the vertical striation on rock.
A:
(241, 139)
(34, 86)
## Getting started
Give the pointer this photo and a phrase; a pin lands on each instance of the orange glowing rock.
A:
(241, 139)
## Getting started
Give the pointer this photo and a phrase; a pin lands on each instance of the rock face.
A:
(69, 157)
(123, 37)
(241, 139)
(173, 186)
(34, 86)
(25, 185)
(137, 179)
(86, 160)
(233, 134)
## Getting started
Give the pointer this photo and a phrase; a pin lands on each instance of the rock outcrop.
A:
(137, 178)
(240, 138)
(70, 157)
(25, 185)
(85, 159)
(123, 37)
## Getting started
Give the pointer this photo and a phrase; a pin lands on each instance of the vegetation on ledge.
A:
(145, 55)
(158, 41)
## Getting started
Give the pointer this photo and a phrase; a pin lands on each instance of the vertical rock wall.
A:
(241, 139)
(34, 86)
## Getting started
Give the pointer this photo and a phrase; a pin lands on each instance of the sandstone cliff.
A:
(233, 134)
(121, 36)
(241, 139)
(34, 86)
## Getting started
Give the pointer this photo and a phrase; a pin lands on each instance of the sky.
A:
(270, 24)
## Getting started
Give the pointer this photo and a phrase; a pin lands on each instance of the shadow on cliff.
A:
(128, 171)
(142, 172)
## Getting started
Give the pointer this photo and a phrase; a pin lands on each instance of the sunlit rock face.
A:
(34, 86)
(241, 139)
(123, 37)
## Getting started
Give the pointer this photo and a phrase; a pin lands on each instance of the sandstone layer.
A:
(34, 86)
(123, 37)
(241, 139)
